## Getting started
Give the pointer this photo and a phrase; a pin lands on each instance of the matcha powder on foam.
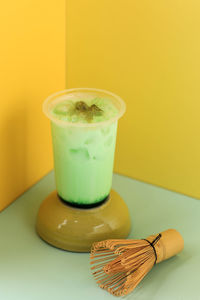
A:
(85, 111)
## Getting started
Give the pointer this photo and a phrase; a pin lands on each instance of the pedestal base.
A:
(75, 229)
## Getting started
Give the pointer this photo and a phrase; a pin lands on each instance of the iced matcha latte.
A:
(84, 127)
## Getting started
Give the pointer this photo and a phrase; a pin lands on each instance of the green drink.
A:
(84, 128)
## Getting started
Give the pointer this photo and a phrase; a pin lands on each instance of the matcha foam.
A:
(85, 110)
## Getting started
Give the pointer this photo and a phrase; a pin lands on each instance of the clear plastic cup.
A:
(83, 152)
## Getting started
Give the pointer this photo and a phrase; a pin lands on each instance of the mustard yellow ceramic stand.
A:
(75, 229)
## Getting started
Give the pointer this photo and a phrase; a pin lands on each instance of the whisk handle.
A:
(170, 244)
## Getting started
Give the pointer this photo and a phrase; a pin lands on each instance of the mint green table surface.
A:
(31, 269)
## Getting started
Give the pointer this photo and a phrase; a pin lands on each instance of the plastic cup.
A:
(83, 152)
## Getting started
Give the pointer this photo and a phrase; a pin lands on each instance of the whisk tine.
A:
(119, 265)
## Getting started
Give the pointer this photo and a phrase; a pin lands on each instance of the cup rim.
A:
(64, 123)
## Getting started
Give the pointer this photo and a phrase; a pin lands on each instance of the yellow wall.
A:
(149, 53)
(32, 65)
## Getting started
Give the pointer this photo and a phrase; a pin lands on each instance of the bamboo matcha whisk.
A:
(120, 265)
